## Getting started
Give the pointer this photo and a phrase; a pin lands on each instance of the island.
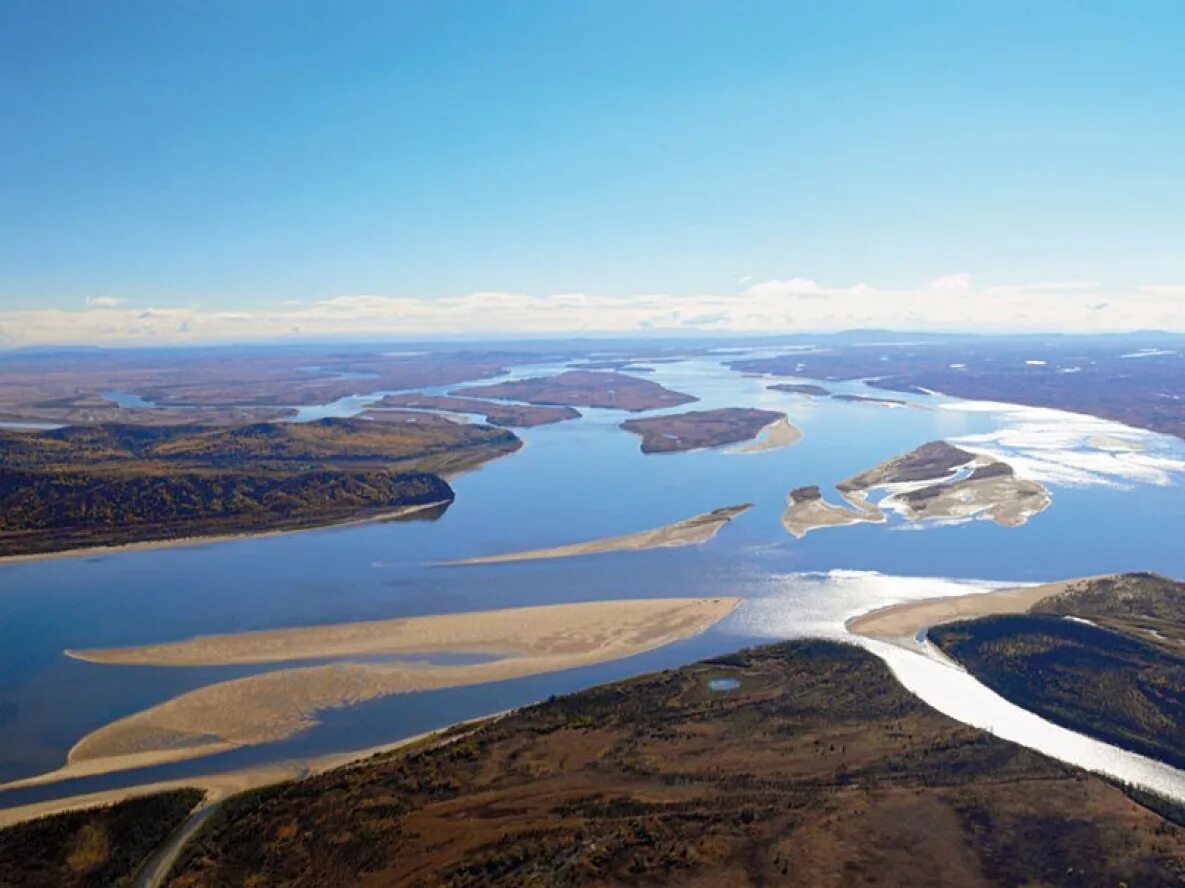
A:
(801, 763)
(583, 388)
(497, 413)
(114, 484)
(865, 399)
(275, 705)
(688, 532)
(697, 429)
(1104, 656)
(811, 391)
(934, 482)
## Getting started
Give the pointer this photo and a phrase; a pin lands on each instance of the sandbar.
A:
(806, 510)
(688, 532)
(275, 705)
(778, 434)
(900, 624)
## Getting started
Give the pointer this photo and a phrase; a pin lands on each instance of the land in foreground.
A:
(96, 848)
(800, 763)
(1102, 656)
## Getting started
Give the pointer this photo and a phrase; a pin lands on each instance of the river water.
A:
(1114, 508)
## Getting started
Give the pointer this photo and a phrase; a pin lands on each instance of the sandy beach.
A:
(900, 624)
(221, 785)
(275, 705)
(778, 434)
(689, 532)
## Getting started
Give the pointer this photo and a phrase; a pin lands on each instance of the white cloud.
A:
(948, 302)
(103, 301)
(1164, 289)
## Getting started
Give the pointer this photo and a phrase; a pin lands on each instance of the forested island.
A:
(583, 388)
(675, 432)
(497, 413)
(116, 484)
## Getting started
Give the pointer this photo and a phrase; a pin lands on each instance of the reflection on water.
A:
(582, 480)
(819, 605)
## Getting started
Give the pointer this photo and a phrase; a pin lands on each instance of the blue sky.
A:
(231, 157)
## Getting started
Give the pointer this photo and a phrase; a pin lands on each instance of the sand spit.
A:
(689, 532)
(900, 624)
(275, 705)
(1111, 444)
(807, 510)
(778, 434)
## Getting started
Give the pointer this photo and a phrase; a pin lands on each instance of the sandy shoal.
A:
(800, 518)
(900, 623)
(689, 532)
(778, 434)
(275, 705)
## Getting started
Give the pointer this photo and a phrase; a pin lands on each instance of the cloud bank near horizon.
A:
(948, 303)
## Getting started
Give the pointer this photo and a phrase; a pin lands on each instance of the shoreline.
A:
(187, 541)
(221, 785)
(902, 624)
(779, 434)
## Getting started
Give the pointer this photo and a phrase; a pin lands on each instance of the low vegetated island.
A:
(799, 763)
(934, 482)
(116, 484)
(865, 399)
(1105, 657)
(495, 412)
(793, 388)
(583, 388)
(676, 432)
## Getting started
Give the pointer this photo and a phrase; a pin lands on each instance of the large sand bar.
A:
(900, 624)
(275, 705)
(689, 532)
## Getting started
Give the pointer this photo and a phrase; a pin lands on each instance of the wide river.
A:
(1117, 506)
